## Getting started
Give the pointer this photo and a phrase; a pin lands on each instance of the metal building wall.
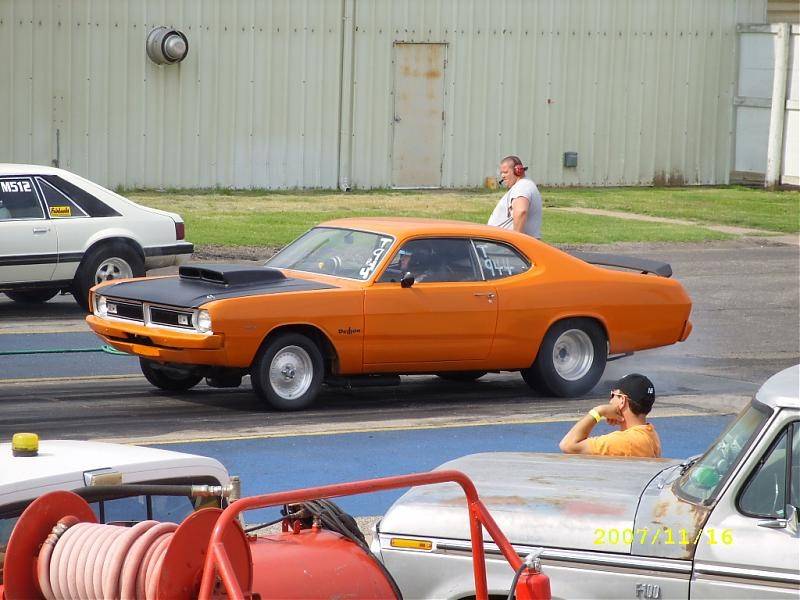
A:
(641, 89)
(254, 104)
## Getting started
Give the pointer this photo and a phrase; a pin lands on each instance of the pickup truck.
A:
(720, 525)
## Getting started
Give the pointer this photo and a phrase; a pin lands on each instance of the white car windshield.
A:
(705, 476)
(331, 251)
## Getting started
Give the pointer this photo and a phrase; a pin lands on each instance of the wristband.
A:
(595, 415)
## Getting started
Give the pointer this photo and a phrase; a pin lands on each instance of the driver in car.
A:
(419, 261)
(631, 400)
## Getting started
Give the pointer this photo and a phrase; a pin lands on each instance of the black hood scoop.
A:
(230, 274)
(198, 284)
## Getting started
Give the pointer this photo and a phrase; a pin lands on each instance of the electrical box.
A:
(570, 159)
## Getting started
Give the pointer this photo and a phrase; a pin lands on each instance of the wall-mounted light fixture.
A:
(166, 46)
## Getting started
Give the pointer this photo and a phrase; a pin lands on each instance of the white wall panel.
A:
(641, 89)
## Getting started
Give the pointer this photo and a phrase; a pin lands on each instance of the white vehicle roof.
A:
(61, 465)
(17, 169)
(782, 390)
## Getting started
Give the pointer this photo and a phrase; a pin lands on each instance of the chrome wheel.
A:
(573, 354)
(112, 268)
(291, 372)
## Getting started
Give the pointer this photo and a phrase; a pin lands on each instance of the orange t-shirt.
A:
(639, 440)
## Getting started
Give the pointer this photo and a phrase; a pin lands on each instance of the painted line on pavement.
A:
(432, 424)
(22, 381)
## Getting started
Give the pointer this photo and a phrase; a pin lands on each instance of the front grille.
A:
(171, 318)
(126, 310)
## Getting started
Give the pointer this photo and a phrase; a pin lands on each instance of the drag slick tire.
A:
(288, 371)
(571, 359)
(32, 296)
(461, 376)
(170, 379)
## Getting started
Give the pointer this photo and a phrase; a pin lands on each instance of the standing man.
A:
(520, 208)
(631, 399)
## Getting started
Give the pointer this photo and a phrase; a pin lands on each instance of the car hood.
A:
(201, 284)
(552, 500)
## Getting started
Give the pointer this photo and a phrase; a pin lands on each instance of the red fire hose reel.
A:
(58, 550)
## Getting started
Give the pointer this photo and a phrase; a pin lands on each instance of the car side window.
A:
(499, 260)
(433, 260)
(765, 493)
(58, 205)
(18, 200)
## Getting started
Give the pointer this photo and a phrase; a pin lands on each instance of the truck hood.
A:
(551, 500)
(199, 284)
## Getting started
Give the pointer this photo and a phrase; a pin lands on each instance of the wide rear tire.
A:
(32, 296)
(105, 262)
(288, 371)
(571, 359)
(170, 378)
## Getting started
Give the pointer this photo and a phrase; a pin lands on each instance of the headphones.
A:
(519, 170)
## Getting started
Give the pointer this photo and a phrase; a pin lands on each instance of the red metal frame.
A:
(217, 560)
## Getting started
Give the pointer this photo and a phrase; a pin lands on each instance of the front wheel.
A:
(170, 379)
(288, 371)
(32, 296)
(571, 359)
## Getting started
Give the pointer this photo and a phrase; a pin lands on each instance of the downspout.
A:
(346, 94)
(778, 110)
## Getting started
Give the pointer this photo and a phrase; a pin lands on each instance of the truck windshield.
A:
(338, 252)
(703, 479)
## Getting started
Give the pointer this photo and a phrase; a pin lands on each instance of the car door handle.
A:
(774, 523)
(490, 295)
(41, 229)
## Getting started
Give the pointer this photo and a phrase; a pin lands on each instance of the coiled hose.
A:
(88, 560)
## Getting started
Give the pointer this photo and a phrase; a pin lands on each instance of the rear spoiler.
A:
(644, 265)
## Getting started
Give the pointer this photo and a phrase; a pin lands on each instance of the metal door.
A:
(418, 115)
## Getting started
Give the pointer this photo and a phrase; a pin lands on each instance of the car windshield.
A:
(704, 477)
(332, 251)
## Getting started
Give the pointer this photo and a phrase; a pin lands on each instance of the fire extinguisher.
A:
(529, 582)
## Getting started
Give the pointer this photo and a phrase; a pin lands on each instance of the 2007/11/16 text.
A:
(662, 535)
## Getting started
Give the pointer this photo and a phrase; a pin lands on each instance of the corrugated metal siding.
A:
(641, 89)
(783, 11)
(255, 103)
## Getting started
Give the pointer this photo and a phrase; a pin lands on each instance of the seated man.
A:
(631, 400)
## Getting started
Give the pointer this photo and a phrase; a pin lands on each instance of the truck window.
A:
(765, 493)
(705, 477)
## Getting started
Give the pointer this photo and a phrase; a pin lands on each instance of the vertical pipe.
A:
(346, 94)
(775, 140)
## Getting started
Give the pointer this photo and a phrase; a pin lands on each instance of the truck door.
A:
(750, 546)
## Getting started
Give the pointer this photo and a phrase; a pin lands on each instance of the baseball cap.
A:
(639, 389)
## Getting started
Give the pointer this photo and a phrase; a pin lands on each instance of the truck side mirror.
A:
(407, 281)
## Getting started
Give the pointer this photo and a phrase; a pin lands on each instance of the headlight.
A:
(203, 321)
(101, 309)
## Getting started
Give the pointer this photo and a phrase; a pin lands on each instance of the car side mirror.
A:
(407, 281)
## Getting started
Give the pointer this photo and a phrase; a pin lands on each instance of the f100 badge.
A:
(648, 590)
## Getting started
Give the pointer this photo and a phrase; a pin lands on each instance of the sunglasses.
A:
(618, 395)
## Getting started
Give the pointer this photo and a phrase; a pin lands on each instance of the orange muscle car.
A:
(361, 299)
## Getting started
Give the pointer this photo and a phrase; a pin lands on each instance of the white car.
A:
(61, 232)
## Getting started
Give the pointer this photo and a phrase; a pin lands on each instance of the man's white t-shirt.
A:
(503, 217)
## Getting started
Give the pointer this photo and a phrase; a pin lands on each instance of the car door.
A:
(29, 248)
(448, 315)
(750, 546)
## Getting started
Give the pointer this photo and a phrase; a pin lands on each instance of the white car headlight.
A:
(101, 309)
(203, 321)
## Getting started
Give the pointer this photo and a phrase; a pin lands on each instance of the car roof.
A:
(405, 226)
(16, 169)
(61, 464)
(782, 390)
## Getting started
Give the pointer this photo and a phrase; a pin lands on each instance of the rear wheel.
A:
(288, 371)
(169, 378)
(461, 375)
(32, 296)
(571, 359)
(104, 263)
